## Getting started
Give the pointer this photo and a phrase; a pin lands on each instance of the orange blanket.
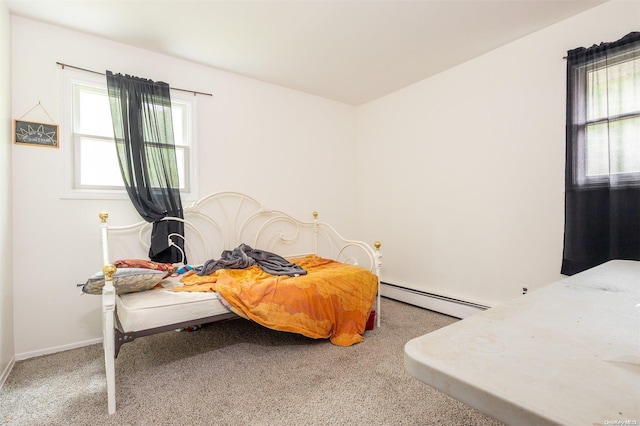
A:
(332, 301)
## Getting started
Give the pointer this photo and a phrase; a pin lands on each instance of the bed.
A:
(224, 223)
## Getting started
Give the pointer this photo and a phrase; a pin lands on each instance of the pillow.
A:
(145, 264)
(125, 280)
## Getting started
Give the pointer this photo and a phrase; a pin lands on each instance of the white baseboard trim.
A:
(442, 304)
(7, 370)
(47, 351)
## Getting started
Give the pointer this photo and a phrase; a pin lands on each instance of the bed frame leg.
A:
(378, 260)
(108, 334)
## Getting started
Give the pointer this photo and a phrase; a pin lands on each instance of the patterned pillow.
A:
(125, 280)
(145, 264)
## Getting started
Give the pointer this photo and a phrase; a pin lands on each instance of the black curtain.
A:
(143, 131)
(602, 205)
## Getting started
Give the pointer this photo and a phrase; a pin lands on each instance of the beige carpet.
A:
(239, 373)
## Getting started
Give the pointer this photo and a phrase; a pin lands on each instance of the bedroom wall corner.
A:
(7, 349)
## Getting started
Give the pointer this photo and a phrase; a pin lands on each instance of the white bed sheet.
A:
(162, 306)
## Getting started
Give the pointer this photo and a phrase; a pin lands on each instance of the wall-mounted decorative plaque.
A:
(32, 133)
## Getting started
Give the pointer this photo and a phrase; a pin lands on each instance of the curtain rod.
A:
(101, 73)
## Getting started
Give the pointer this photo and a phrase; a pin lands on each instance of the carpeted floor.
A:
(239, 373)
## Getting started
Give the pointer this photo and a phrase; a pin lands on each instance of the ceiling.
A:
(352, 51)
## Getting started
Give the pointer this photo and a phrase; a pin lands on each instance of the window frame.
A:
(581, 124)
(72, 188)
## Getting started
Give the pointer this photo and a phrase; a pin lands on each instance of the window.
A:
(92, 169)
(607, 121)
(602, 172)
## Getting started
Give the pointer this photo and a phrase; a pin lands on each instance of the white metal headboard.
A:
(224, 220)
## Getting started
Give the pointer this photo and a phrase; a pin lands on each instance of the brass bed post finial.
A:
(377, 245)
(103, 217)
(315, 215)
(109, 271)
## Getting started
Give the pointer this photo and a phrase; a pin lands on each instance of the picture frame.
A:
(34, 133)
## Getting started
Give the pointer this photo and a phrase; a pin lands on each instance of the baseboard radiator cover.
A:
(434, 302)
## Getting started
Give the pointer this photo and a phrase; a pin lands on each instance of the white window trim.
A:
(68, 144)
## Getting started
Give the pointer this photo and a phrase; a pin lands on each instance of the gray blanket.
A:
(244, 256)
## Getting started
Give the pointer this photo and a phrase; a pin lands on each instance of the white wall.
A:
(291, 150)
(470, 166)
(6, 278)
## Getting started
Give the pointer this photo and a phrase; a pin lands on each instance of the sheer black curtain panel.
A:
(143, 132)
(602, 173)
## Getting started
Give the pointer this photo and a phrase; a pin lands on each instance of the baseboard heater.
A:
(434, 302)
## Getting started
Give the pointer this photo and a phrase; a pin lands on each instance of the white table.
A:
(566, 354)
